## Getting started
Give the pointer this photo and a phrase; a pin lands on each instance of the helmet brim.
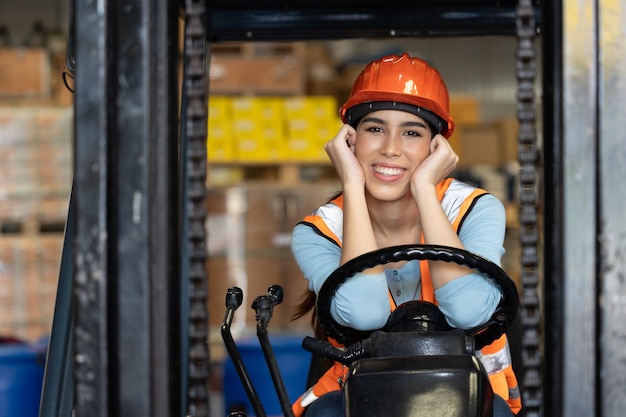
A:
(355, 114)
(367, 97)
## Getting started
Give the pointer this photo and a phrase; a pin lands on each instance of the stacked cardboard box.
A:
(260, 68)
(35, 180)
(312, 121)
(249, 230)
(270, 129)
(29, 271)
(24, 72)
(259, 128)
(493, 144)
(33, 76)
(35, 160)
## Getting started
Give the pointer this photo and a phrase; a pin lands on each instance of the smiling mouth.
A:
(387, 171)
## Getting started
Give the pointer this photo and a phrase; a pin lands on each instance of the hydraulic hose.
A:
(325, 350)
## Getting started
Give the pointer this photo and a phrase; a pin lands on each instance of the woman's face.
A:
(390, 145)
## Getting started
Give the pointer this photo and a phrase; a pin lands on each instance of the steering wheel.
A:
(483, 335)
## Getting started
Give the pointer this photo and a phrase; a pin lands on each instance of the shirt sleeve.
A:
(361, 302)
(472, 299)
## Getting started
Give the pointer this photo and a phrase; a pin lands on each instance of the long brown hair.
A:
(308, 305)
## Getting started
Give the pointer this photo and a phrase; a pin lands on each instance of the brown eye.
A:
(416, 133)
(373, 129)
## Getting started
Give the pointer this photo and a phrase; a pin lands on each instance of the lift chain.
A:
(196, 111)
(528, 216)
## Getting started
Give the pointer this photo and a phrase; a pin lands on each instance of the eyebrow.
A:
(382, 122)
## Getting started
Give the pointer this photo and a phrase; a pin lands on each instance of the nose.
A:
(390, 145)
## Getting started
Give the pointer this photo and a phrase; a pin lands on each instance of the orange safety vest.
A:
(457, 199)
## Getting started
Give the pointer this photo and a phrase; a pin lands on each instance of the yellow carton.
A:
(311, 122)
(259, 108)
(220, 108)
(259, 140)
(310, 107)
(221, 144)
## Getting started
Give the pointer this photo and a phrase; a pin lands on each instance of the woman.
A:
(393, 159)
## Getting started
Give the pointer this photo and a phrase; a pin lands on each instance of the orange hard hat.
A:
(404, 83)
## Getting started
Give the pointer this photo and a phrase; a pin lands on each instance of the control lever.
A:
(264, 307)
(234, 298)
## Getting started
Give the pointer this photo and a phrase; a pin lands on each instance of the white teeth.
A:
(388, 171)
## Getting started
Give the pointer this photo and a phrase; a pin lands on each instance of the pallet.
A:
(288, 173)
(31, 227)
(33, 215)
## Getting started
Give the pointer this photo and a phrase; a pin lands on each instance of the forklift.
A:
(130, 326)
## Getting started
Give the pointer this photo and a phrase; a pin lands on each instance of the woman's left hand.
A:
(441, 161)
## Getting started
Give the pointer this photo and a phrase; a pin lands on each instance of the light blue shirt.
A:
(363, 304)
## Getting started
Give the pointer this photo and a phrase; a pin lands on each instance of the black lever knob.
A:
(275, 292)
(234, 298)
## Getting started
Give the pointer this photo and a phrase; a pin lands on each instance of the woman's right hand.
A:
(441, 161)
(340, 149)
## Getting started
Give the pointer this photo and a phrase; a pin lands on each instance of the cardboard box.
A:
(258, 141)
(232, 74)
(276, 75)
(259, 128)
(259, 274)
(311, 107)
(302, 148)
(61, 95)
(268, 213)
(226, 75)
(478, 145)
(220, 108)
(221, 143)
(267, 109)
(35, 151)
(465, 110)
(24, 72)
(311, 122)
(29, 273)
(508, 129)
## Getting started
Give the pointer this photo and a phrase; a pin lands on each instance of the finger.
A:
(433, 144)
(439, 139)
(349, 134)
(342, 135)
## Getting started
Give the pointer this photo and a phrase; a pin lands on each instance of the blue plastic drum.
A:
(21, 378)
(293, 363)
